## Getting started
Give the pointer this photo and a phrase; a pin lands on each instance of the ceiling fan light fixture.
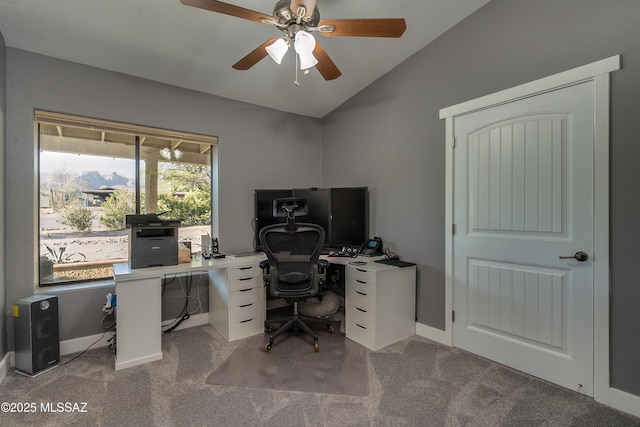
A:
(304, 45)
(307, 61)
(277, 50)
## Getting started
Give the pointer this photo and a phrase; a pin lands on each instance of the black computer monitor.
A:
(349, 216)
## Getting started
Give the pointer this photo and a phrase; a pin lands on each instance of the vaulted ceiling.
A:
(168, 42)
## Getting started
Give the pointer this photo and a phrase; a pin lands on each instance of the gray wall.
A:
(389, 137)
(3, 327)
(256, 147)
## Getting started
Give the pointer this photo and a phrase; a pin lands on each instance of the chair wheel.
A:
(268, 328)
(331, 329)
(268, 346)
(316, 347)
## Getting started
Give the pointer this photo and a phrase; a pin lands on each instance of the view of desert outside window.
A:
(83, 201)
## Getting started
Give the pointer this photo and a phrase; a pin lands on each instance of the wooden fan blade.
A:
(363, 27)
(309, 6)
(325, 66)
(254, 56)
(229, 9)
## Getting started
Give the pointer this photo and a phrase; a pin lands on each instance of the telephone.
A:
(371, 247)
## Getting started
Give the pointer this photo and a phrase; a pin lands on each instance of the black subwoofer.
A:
(37, 337)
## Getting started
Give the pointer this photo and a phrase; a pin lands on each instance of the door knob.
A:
(580, 256)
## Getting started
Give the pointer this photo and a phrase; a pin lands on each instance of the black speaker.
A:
(37, 337)
(215, 249)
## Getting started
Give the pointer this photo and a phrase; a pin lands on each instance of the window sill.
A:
(75, 287)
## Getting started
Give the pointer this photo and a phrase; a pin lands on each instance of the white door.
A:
(523, 198)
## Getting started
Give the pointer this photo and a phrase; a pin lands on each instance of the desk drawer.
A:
(245, 328)
(244, 297)
(360, 316)
(360, 298)
(244, 272)
(361, 276)
(245, 312)
(360, 333)
(245, 283)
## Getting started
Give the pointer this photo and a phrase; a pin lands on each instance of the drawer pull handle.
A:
(245, 278)
(360, 326)
(246, 290)
(361, 293)
(245, 305)
(245, 268)
(359, 269)
(245, 321)
(360, 281)
(359, 309)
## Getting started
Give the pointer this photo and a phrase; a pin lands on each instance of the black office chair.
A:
(293, 270)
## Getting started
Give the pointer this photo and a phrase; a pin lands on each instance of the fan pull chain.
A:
(296, 82)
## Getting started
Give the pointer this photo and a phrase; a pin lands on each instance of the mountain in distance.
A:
(94, 180)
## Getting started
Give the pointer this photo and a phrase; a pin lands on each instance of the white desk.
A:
(379, 299)
(138, 311)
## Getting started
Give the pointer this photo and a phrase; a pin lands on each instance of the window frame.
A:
(139, 133)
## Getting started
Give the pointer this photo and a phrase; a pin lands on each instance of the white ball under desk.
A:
(379, 303)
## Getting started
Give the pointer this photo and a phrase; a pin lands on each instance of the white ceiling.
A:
(166, 41)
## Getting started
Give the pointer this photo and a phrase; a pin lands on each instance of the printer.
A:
(152, 241)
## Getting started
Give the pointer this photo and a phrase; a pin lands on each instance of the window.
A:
(93, 172)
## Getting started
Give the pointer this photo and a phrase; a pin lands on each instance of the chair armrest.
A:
(323, 264)
(266, 267)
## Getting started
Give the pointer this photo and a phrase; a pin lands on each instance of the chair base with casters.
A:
(294, 323)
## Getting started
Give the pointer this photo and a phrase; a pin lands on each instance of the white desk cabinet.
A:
(380, 303)
(236, 301)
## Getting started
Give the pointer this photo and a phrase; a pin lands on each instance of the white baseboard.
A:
(7, 362)
(136, 362)
(433, 334)
(80, 344)
(623, 401)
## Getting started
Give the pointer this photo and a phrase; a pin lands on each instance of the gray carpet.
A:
(339, 367)
(414, 382)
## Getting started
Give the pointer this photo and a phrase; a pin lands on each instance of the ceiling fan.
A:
(298, 19)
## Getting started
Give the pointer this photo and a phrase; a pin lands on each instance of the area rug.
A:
(339, 367)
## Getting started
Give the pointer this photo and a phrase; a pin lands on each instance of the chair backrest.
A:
(293, 254)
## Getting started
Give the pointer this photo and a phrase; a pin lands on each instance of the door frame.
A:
(599, 74)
